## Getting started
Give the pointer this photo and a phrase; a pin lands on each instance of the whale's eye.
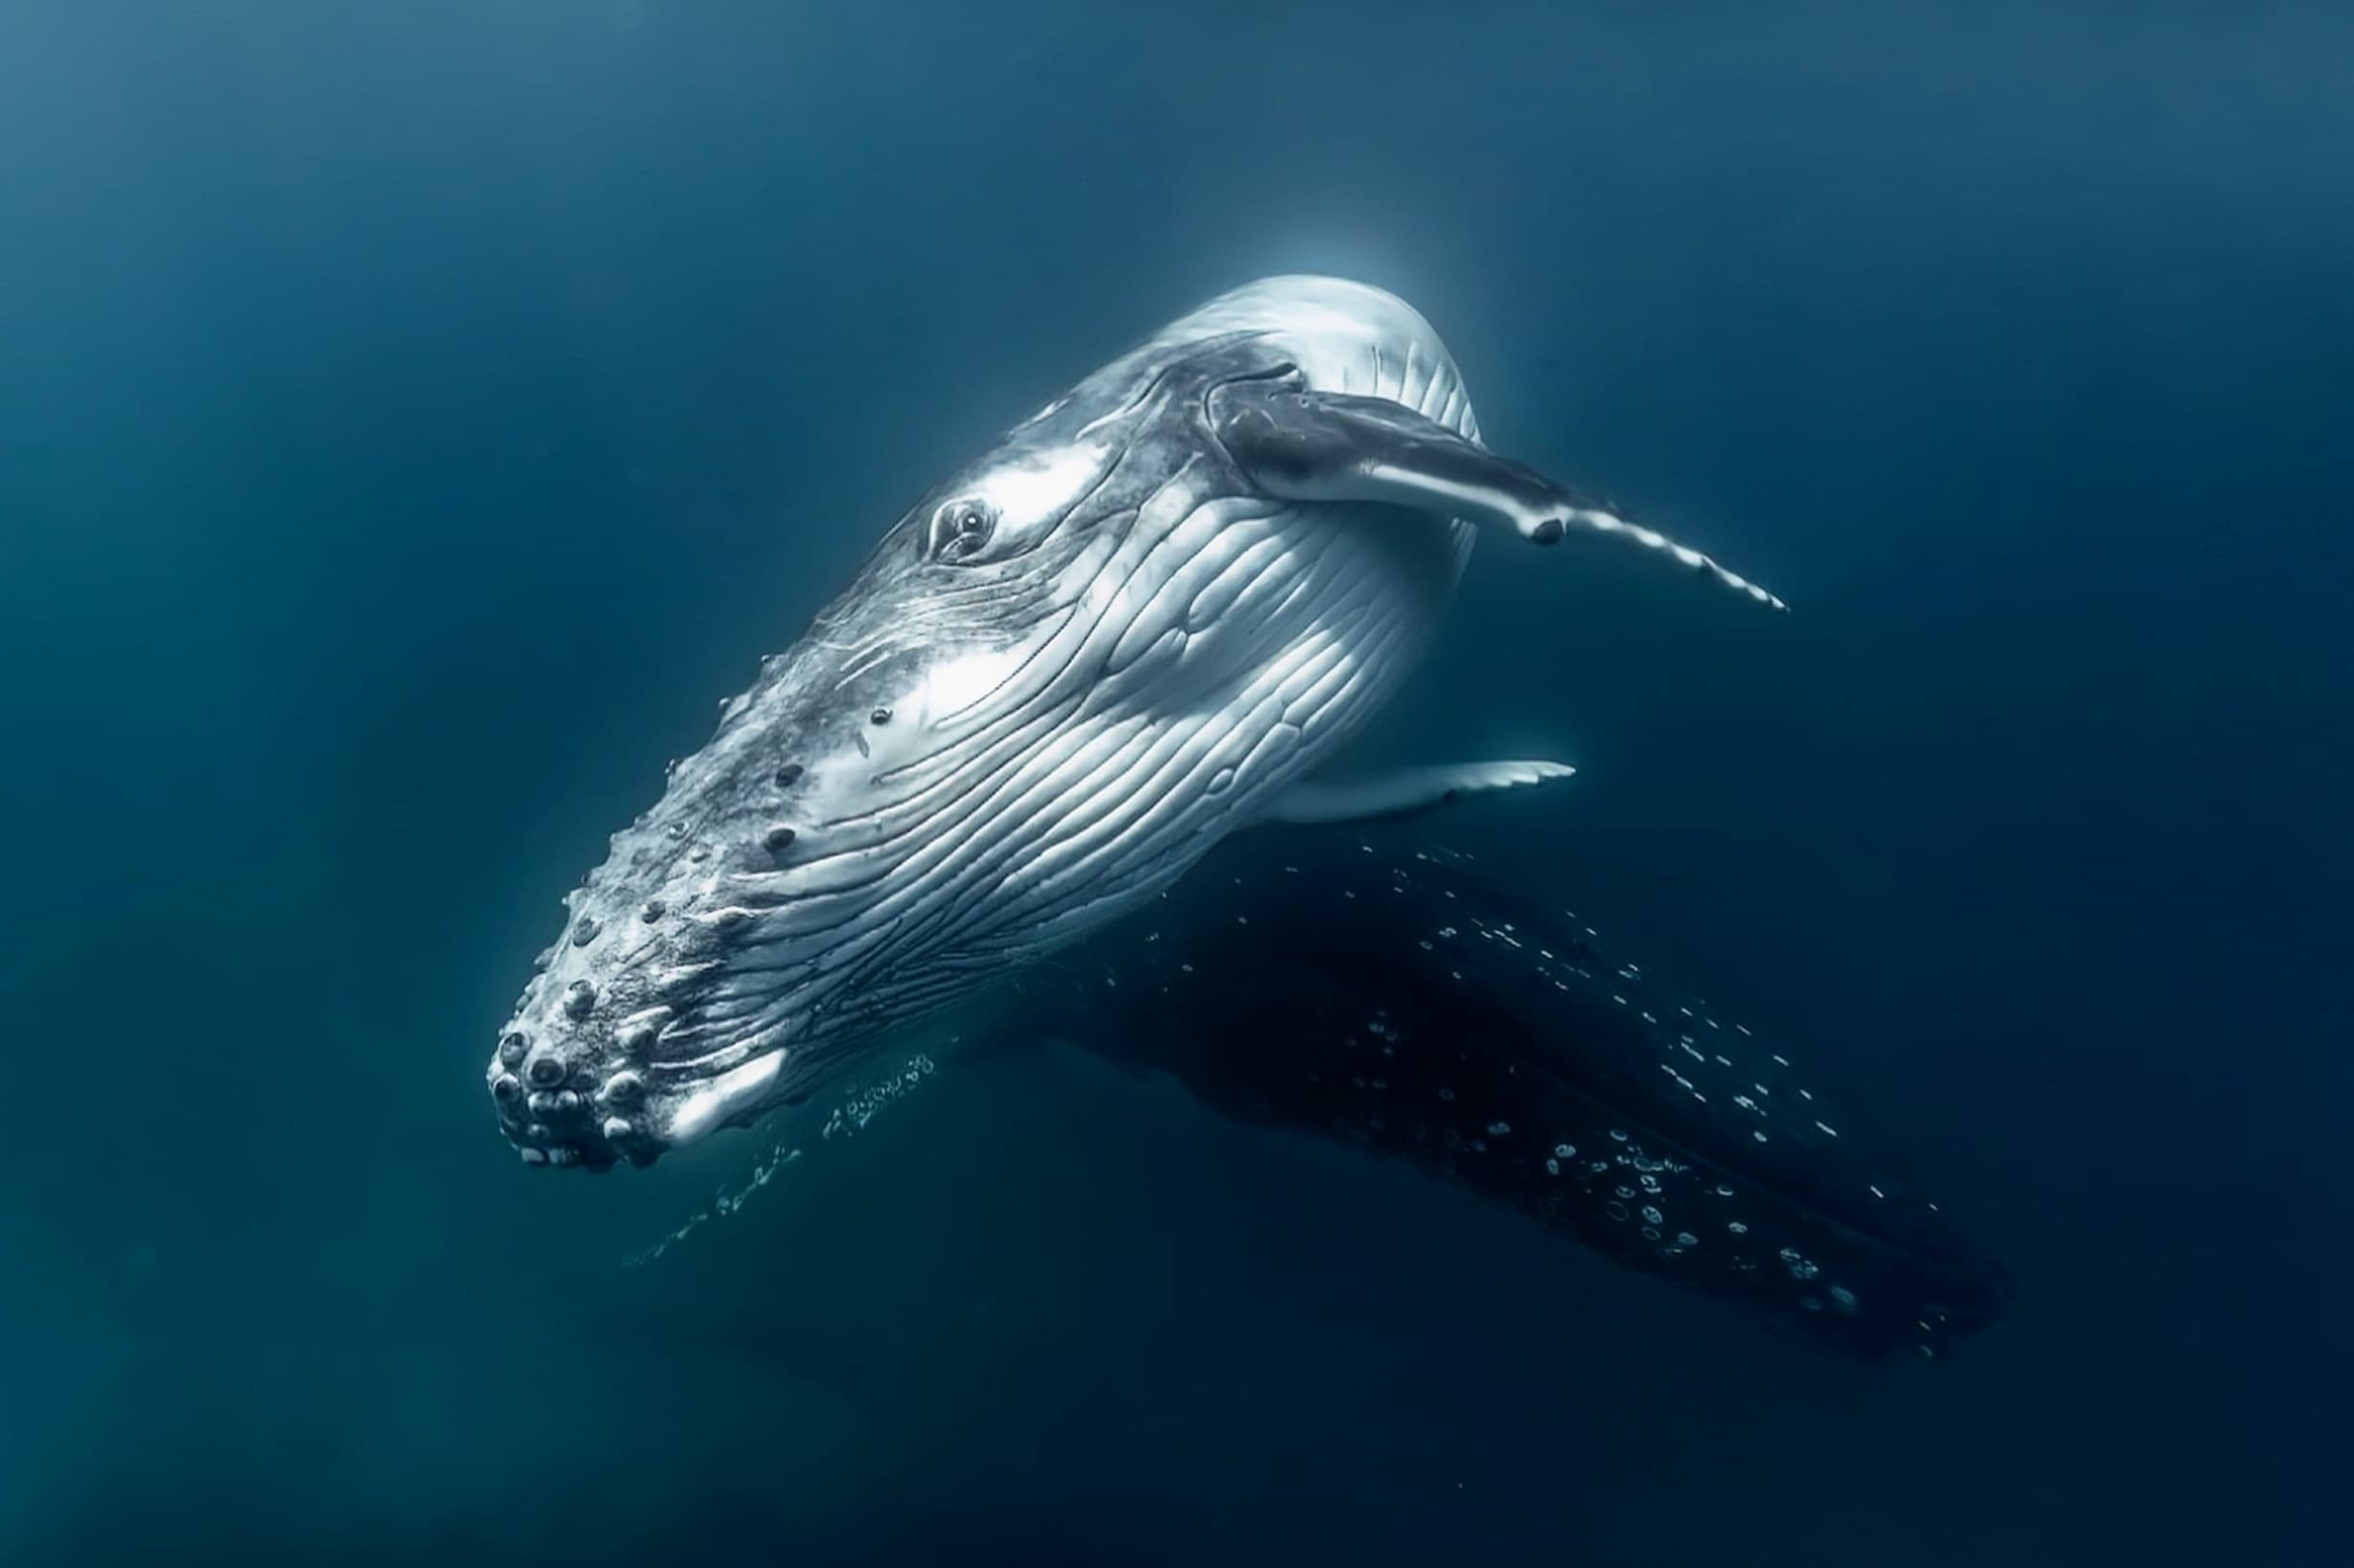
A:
(960, 529)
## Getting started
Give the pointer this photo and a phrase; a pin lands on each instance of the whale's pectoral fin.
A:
(1402, 792)
(1339, 446)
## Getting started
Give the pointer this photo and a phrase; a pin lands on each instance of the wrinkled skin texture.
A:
(1061, 678)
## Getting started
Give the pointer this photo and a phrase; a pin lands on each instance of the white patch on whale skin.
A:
(957, 685)
(1025, 492)
(711, 1106)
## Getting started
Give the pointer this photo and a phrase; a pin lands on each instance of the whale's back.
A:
(1376, 990)
(1344, 336)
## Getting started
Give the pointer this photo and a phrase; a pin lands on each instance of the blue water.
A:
(414, 418)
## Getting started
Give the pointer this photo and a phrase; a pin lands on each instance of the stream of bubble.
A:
(846, 1120)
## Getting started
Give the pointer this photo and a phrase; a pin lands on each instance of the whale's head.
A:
(1057, 681)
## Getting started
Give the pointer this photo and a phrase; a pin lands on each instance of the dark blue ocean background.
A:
(414, 418)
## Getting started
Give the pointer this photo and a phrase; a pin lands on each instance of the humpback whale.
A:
(1141, 621)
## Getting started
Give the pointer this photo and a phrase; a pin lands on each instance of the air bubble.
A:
(847, 1119)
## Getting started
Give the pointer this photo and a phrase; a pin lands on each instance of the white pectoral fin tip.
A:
(712, 1106)
(1594, 520)
(1404, 791)
(1515, 775)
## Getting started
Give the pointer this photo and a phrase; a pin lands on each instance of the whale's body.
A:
(1132, 628)
(1383, 991)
